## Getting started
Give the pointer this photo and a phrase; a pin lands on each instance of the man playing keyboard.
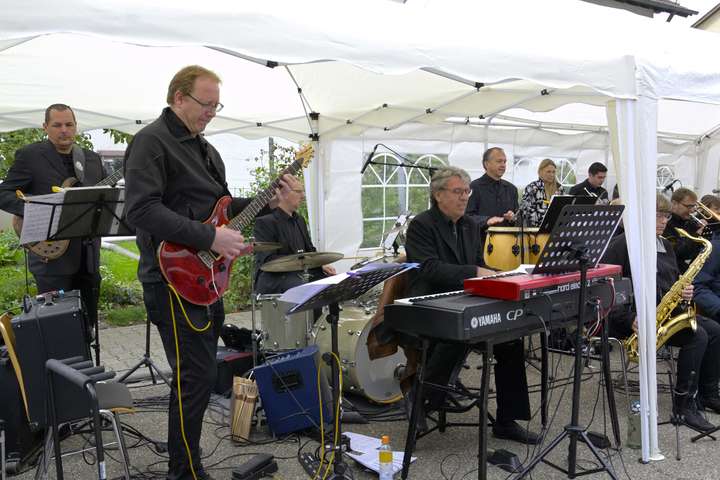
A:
(448, 245)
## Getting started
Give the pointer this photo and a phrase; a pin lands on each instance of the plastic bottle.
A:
(385, 458)
(633, 438)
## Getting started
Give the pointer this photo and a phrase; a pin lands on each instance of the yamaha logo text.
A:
(485, 320)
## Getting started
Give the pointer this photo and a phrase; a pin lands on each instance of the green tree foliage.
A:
(10, 142)
(238, 294)
(118, 136)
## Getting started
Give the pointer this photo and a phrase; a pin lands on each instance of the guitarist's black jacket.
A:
(38, 167)
(172, 182)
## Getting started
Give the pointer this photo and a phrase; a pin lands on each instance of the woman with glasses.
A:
(539, 193)
(698, 364)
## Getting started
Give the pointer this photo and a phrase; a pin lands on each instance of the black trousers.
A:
(699, 353)
(197, 366)
(87, 283)
(513, 402)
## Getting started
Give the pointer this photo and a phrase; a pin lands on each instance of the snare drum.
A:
(282, 331)
(375, 379)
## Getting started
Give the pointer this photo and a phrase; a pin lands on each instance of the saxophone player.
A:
(683, 205)
(699, 350)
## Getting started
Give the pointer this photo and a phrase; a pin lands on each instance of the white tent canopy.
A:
(376, 69)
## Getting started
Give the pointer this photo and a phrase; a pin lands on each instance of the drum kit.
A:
(374, 379)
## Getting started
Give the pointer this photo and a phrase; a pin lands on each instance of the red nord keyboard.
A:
(522, 286)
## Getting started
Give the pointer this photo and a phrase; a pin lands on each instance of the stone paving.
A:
(448, 455)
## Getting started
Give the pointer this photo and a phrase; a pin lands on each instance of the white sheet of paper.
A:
(365, 452)
(37, 217)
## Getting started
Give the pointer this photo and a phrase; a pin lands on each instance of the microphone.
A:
(669, 186)
(367, 162)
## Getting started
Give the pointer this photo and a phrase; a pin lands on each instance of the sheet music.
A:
(38, 216)
(302, 293)
(72, 213)
(118, 210)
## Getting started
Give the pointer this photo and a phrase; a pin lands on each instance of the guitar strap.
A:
(79, 163)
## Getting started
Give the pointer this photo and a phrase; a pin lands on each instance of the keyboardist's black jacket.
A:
(431, 242)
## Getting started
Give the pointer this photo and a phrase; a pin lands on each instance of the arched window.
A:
(665, 176)
(391, 190)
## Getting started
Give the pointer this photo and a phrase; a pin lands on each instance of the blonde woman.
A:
(538, 194)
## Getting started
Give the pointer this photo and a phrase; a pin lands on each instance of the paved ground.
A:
(449, 455)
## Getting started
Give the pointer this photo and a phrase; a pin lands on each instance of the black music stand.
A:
(559, 202)
(578, 241)
(84, 212)
(323, 294)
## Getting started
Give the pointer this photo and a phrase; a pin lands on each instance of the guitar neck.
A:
(111, 179)
(246, 217)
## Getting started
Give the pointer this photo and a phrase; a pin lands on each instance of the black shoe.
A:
(693, 419)
(710, 403)
(513, 431)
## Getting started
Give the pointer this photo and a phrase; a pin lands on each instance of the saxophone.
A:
(666, 324)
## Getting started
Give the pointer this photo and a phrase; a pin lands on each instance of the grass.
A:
(124, 269)
(124, 316)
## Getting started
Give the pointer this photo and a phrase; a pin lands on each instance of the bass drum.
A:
(374, 379)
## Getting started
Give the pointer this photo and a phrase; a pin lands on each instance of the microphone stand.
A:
(403, 164)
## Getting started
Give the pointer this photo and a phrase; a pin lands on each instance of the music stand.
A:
(578, 241)
(84, 212)
(322, 293)
(557, 203)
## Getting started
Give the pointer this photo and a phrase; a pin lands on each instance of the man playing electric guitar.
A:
(173, 179)
(40, 166)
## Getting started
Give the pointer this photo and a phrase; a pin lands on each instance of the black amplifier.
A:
(51, 326)
(20, 442)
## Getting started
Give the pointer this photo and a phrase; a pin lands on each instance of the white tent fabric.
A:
(634, 147)
(438, 59)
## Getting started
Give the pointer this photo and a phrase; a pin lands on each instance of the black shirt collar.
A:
(282, 214)
(488, 179)
(447, 219)
(177, 127)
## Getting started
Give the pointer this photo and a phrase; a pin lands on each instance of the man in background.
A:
(286, 227)
(493, 201)
(40, 166)
(592, 185)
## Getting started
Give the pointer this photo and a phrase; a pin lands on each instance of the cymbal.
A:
(301, 261)
(261, 247)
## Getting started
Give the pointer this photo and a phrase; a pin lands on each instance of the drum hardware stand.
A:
(351, 287)
(146, 361)
(575, 255)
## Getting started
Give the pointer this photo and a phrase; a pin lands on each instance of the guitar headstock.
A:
(304, 155)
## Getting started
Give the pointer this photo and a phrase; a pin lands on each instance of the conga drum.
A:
(534, 243)
(502, 248)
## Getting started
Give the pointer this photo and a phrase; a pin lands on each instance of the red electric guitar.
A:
(202, 276)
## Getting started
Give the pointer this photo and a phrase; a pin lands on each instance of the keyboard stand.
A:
(481, 401)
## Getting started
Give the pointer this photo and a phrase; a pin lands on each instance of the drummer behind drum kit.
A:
(375, 379)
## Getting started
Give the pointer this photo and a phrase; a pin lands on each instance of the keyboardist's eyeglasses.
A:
(459, 191)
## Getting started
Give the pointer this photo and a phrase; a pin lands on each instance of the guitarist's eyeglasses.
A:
(208, 106)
